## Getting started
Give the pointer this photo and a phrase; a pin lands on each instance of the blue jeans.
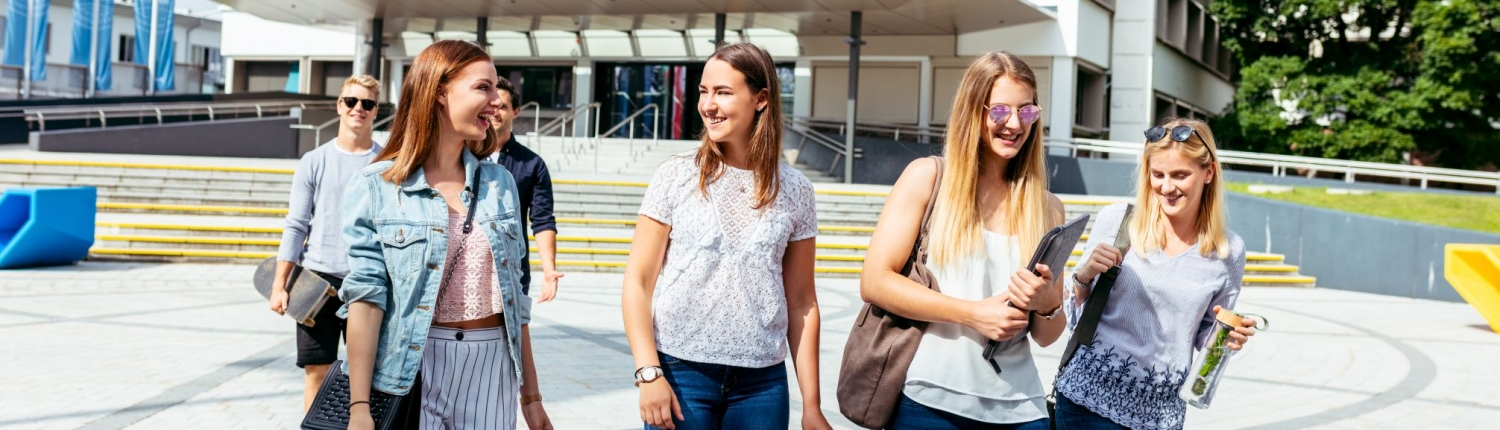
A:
(1073, 416)
(716, 396)
(912, 415)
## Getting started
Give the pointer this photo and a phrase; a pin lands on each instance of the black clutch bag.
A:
(330, 410)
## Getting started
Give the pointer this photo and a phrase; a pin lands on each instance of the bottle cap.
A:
(1230, 318)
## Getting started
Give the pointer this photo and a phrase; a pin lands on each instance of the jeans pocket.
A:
(667, 360)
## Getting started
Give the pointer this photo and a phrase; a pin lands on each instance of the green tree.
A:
(1365, 79)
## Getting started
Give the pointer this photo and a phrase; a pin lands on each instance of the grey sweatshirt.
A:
(313, 215)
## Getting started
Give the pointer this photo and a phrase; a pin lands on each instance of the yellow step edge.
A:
(1280, 279)
(144, 226)
(847, 229)
(147, 166)
(604, 183)
(192, 208)
(194, 240)
(181, 253)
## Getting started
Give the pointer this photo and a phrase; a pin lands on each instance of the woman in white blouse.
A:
(719, 283)
(992, 209)
(1184, 264)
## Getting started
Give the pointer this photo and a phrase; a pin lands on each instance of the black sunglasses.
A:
(348, 102)
(1179, 133)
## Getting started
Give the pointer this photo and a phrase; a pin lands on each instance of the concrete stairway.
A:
(187, 212)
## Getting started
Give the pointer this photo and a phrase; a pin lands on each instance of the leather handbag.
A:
(881, 345)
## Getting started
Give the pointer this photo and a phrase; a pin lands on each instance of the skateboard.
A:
(307, 292)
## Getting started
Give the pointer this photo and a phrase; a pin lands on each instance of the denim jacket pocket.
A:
(404, 244)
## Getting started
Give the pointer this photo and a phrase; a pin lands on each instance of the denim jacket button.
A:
(505, 262)
(415, 348)
(492, 226)
(432, 266)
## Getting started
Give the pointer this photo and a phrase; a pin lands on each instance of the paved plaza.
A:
(192, 346)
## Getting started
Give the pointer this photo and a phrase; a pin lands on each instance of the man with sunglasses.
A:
(535, 186)
(313, 238)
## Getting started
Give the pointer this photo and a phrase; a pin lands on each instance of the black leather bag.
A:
(330, 410)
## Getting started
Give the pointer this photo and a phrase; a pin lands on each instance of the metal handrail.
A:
(40, 116)
(630, 134)
(1279, 164)
(536, 114)
(560, 124)
(896, 130)
(827, 142)
(318, 129)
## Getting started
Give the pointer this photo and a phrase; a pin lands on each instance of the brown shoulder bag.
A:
(882, 344)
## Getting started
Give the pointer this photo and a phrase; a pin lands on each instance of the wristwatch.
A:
(647, 375)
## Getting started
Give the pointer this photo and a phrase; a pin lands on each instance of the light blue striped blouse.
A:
(1159, 312)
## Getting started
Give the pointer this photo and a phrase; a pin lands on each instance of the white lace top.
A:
(720, 297)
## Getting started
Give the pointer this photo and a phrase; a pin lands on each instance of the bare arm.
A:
(1044, 331)
(647, 253)
(362, 337)
(882, 283)
(546, 245)
(803, 322)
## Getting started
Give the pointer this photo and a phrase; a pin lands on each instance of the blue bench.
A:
(46, 226)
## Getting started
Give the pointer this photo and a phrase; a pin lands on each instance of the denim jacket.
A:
(397, 252)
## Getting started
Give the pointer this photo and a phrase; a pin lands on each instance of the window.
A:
(127, 49)
(1187, 26)
(1091, 102)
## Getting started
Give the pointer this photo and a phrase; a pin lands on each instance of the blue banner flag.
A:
(164, 79)
(86, 37)
(20, 14)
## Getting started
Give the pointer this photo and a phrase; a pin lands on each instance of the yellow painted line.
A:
(1270, 268)
(849, 270)
(189, 227)
(596, 221)
(852, 193)
(192, 208)
(146, 166)
(1265, 257)
(193, 240)
(1280, 279)
(603, 183)
(859, 258)
(843, 246)
(847, 229)
(584, 263)
(587, 239)
(590, 251)
(180, 253)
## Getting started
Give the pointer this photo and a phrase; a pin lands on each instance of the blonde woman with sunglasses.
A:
(1184, 264)
(992, 208)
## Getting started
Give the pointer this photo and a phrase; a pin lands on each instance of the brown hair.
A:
(765, 140)
(414, 132)
(503, 84)
(1148, 229)
(956, 219)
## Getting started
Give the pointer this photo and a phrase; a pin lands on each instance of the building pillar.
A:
(583, 94)
(719, 23)
(856, 19)
(1132, 92)
(1060, 114)
(481, 32)
(377, 47)
(304, 75)
(802, 89)
(924, 94)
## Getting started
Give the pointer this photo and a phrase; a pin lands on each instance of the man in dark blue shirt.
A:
(535, 186)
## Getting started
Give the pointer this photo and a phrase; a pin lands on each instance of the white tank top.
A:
(949, 373)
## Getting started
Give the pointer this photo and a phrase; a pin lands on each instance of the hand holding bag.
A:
(881, 345)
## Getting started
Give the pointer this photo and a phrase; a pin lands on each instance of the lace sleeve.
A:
(659, 200)
(803, 210)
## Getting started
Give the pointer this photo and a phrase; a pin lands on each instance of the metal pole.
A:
(483, 27)
(377, 45)
(855, 19)
(30, 39)
(719, 22)
(151, 50)
(94, 54)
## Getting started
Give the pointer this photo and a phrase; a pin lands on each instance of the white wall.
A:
(1131, 91)
(938, 46)
(1094, 31)
(948, 73)
(246, 35)
(1188, 81)
(887, 92)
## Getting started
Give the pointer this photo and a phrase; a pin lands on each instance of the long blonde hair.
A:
(1148, 230)
(414, 132)
(956, 220)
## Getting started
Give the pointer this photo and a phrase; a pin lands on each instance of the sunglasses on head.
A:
(1179, 133)
(349, 102)
(1000, 113)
